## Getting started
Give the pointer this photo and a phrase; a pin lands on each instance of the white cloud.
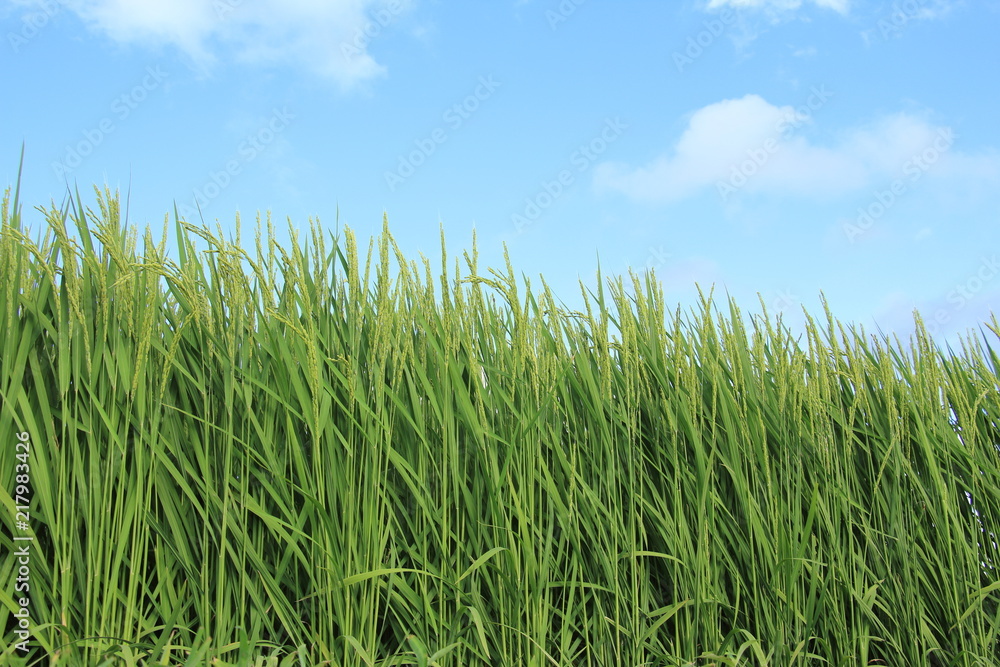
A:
(750, 145)
(840, 6)
(327, 36)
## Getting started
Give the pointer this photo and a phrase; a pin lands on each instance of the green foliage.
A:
(297, 457)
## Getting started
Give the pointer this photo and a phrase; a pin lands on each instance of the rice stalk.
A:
(297, 455)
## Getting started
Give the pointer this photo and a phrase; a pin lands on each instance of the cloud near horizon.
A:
(749, 145)
(326, 37)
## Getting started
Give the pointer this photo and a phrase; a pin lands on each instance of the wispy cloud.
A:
(754, 16)
(840, 6)
(724, 138)
(328, 37)
(893, 21)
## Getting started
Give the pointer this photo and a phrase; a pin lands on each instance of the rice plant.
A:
(302, 456)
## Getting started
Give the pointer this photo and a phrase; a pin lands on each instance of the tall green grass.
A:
(321, 455)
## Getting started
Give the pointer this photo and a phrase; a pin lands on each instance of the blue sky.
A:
(779, 147)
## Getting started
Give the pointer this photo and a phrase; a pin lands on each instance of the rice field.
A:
(331, 454)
